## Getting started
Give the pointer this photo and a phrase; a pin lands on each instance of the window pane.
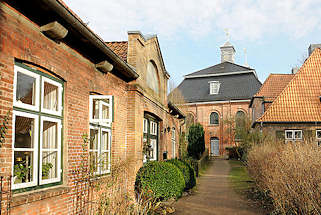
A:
(23, 167)
(319, 134)
(49, 164)
(298, 134)
(49, 136)
(93, 139)
(25, 89)
(104, 140)
(24, 132)
(105, 112)
(288, 134)
(50, 97)
(104, 161)
(95, 112)
(93, 156)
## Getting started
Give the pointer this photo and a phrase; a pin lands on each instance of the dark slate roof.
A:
(233, 87)
(225, 67)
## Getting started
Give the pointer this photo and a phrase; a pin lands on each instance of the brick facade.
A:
(21, 40)
(226, 112)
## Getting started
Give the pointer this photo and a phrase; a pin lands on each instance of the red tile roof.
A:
(120, 48)
(273, 86)
(300, 99)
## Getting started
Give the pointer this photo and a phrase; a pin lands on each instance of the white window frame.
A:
(317, 138)
(174, 142)
(100, 121)
(98, 146)
(214, 87)
(37, 89)
(60, 89)
(145, 126)
(153, 128)
(293, 139)
(153, 143)
(58, 150)
(34, 150)
(218, 118)
(104, 151)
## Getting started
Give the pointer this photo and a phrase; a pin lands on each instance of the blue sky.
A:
(276, 34)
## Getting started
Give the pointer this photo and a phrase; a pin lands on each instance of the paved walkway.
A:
(214, 195)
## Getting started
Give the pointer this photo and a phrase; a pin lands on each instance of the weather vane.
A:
(227, 33)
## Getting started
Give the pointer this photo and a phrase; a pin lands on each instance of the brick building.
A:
(59, 80)
(216, 95)
(294, 109)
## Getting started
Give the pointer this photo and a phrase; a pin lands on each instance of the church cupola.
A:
(227, 51)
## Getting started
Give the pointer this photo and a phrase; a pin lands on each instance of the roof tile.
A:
(120, 48)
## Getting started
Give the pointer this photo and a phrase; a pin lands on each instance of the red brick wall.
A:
(226, 111)
(21, 39)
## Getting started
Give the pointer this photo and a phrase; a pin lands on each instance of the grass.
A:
(239, 178)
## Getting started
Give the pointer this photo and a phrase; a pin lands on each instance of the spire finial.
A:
(227, 33)
(245, 58)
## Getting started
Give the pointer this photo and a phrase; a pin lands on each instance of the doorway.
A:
(215, 146)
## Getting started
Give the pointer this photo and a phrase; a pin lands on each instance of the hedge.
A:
(188, 172)
(163, 179)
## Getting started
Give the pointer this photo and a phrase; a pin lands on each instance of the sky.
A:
(275, 33)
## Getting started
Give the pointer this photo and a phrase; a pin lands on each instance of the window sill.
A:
(213, 125)
(37, 195)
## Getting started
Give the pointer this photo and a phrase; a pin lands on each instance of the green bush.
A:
(196, 142)
(163, 179)
(188, 172)
(193, 163)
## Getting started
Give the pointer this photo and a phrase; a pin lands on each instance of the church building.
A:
(216, 96)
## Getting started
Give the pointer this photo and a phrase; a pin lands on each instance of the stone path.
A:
(214, 195)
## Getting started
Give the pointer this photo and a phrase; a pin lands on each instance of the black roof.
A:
(225, 67)
(235, 84)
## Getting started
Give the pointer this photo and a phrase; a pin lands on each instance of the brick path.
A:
(214, 195)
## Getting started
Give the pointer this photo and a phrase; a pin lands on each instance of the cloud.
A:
(248, 19)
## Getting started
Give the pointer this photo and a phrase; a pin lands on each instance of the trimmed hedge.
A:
(196, 141)
(188, 172)
(163, 179)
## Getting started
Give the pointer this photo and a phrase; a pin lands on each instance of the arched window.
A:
(214, 118)
(189, 119)
(151, 76)
(240, 118)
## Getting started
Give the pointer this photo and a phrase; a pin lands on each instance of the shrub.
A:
(289, 174)
(188, 172)
(235, 152)
(196, 142)
(193, 163)
(163, 179)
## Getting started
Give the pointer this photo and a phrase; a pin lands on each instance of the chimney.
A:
(227, 52)
(295, 70)
(312, 47)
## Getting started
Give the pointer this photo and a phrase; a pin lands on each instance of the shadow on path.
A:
(214, 195)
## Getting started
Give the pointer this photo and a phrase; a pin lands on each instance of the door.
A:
(215, 146)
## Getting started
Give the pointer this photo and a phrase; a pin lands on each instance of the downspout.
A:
(83, 30)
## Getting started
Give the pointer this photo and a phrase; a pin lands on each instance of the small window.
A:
(214, 87)
(145, 126)
(153, 128)
(100, 109)
(214, 118)
(51, 96)
(293, 135)
(174, 142)
(318, 137)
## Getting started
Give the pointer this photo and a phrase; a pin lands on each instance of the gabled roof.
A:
(273, 86)
(221, 69)
(120, 48)
(300, 99)
(232, 87)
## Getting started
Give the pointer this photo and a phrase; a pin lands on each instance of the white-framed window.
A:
(293, 135)
(318, 137)
(26, 87)
(214, 87)
(214, 118)
(37, 134)
(100, 150)
(153, 128)
(174, 142)
(100, 109)
(51, 96)
(100, 115)
(145, 126)
(50, 150)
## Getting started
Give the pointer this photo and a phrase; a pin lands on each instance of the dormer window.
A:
(214, 87)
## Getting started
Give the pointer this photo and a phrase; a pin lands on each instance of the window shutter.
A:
(280, 135)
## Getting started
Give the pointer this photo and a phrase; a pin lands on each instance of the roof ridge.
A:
(285, 89)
